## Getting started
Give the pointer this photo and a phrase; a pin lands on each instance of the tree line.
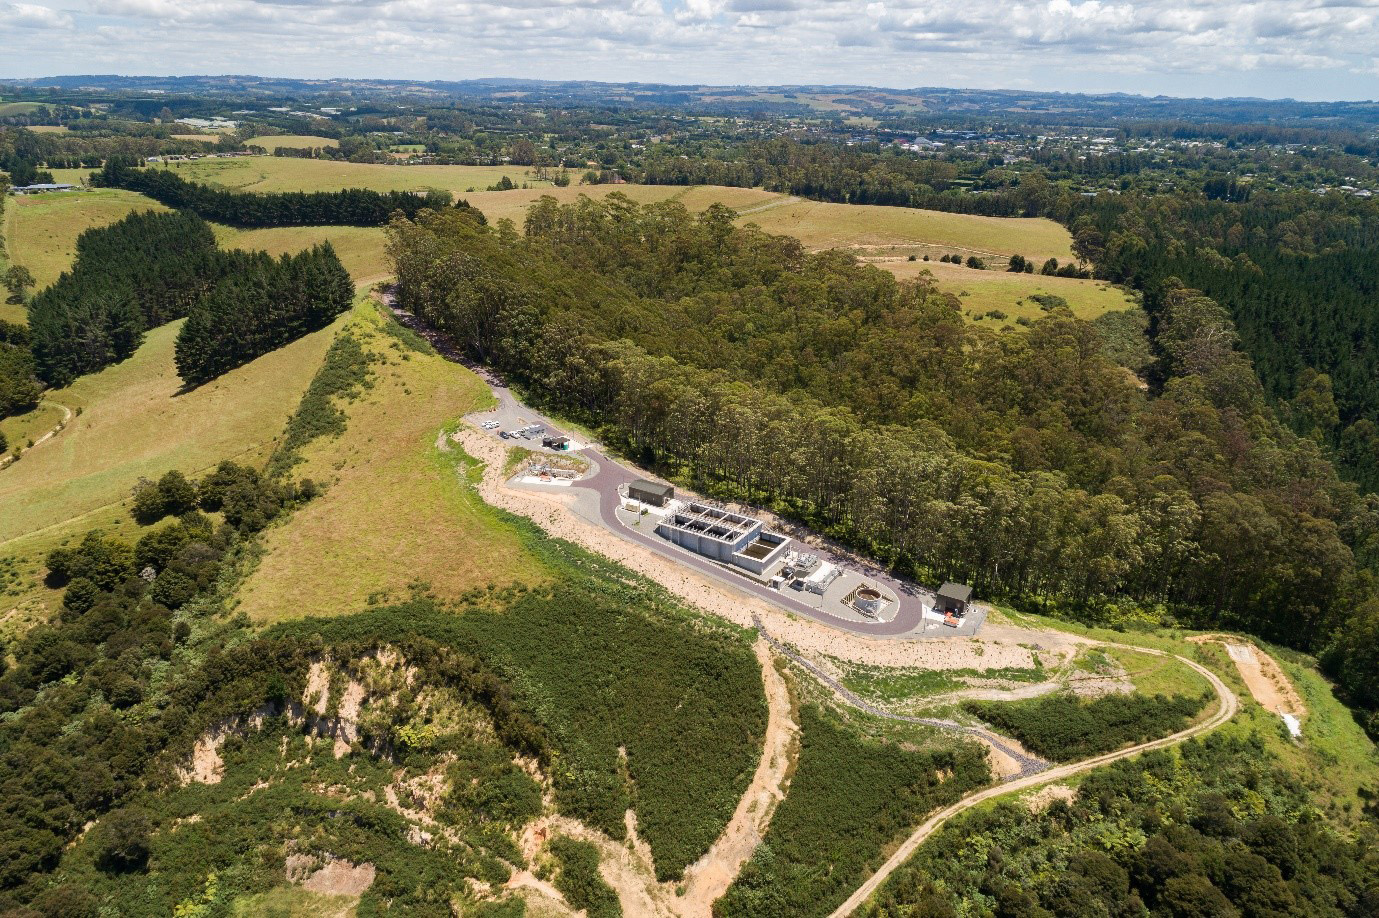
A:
(1030, 465)
(350, 207)
(260, 306)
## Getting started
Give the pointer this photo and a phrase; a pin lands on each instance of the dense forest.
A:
(1029, 465)
(1211, 828)
(1295, 271)
(351, 207)
(258, 307)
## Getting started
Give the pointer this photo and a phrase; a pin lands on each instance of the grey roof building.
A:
(953, 597)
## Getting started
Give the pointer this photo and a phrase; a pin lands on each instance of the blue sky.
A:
(1305, 49)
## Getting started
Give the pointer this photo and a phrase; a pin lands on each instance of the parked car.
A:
(490, 425)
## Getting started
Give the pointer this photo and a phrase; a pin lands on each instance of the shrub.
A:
(579, 880)
(120, 841)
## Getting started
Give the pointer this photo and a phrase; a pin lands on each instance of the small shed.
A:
(650, 492)
(953, 598)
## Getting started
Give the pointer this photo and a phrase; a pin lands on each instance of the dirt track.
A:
(1228, 707)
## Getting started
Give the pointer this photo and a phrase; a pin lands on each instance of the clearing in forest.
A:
(396, 510)
(1263, 677)
(983, 292)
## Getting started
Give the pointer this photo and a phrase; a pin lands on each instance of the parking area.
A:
(517, 426)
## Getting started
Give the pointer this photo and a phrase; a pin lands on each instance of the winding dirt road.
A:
(1227, 709)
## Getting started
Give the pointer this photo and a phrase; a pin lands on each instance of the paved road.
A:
(609, 475)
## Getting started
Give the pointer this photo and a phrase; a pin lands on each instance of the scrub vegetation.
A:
(1213, 827)
(1064, 728)
(850, 797)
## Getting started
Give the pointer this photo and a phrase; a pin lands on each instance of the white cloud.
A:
(1304, 48)
(33, 16)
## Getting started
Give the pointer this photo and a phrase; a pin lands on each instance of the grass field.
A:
(360, 247)
(41, 230)
(293, 141)
(395, 509)
(822, 226)
(134, 424)
(8, 109)
(984, 291)
(283, 173)
(48, 128)
(199, 138)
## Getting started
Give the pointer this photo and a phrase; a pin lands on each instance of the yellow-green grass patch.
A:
(198, 138)
(1155, 675)
(41, 230)
(396, 509)
(11, 312)
(29, 600)
(290, 173)
(292, 141)
(20, 429)
(981, 292)
(136, 423)
(294, 902)
(9, 109)
(513, 204)
(869, 227)
(360, 247)
(48, 128)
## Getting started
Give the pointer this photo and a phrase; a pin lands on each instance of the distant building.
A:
(953, 598)
(650, 492)
(42, 188)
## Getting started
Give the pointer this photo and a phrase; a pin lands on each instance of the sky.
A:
(1302, 49)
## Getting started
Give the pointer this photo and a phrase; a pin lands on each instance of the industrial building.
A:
(953, 598)
(725, 536)
(650, 492)
(42, 188)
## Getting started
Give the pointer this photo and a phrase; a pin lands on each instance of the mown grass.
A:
(135, 422)
(41, 230)
(1155, 675)
(396, 511)
(292, 141)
